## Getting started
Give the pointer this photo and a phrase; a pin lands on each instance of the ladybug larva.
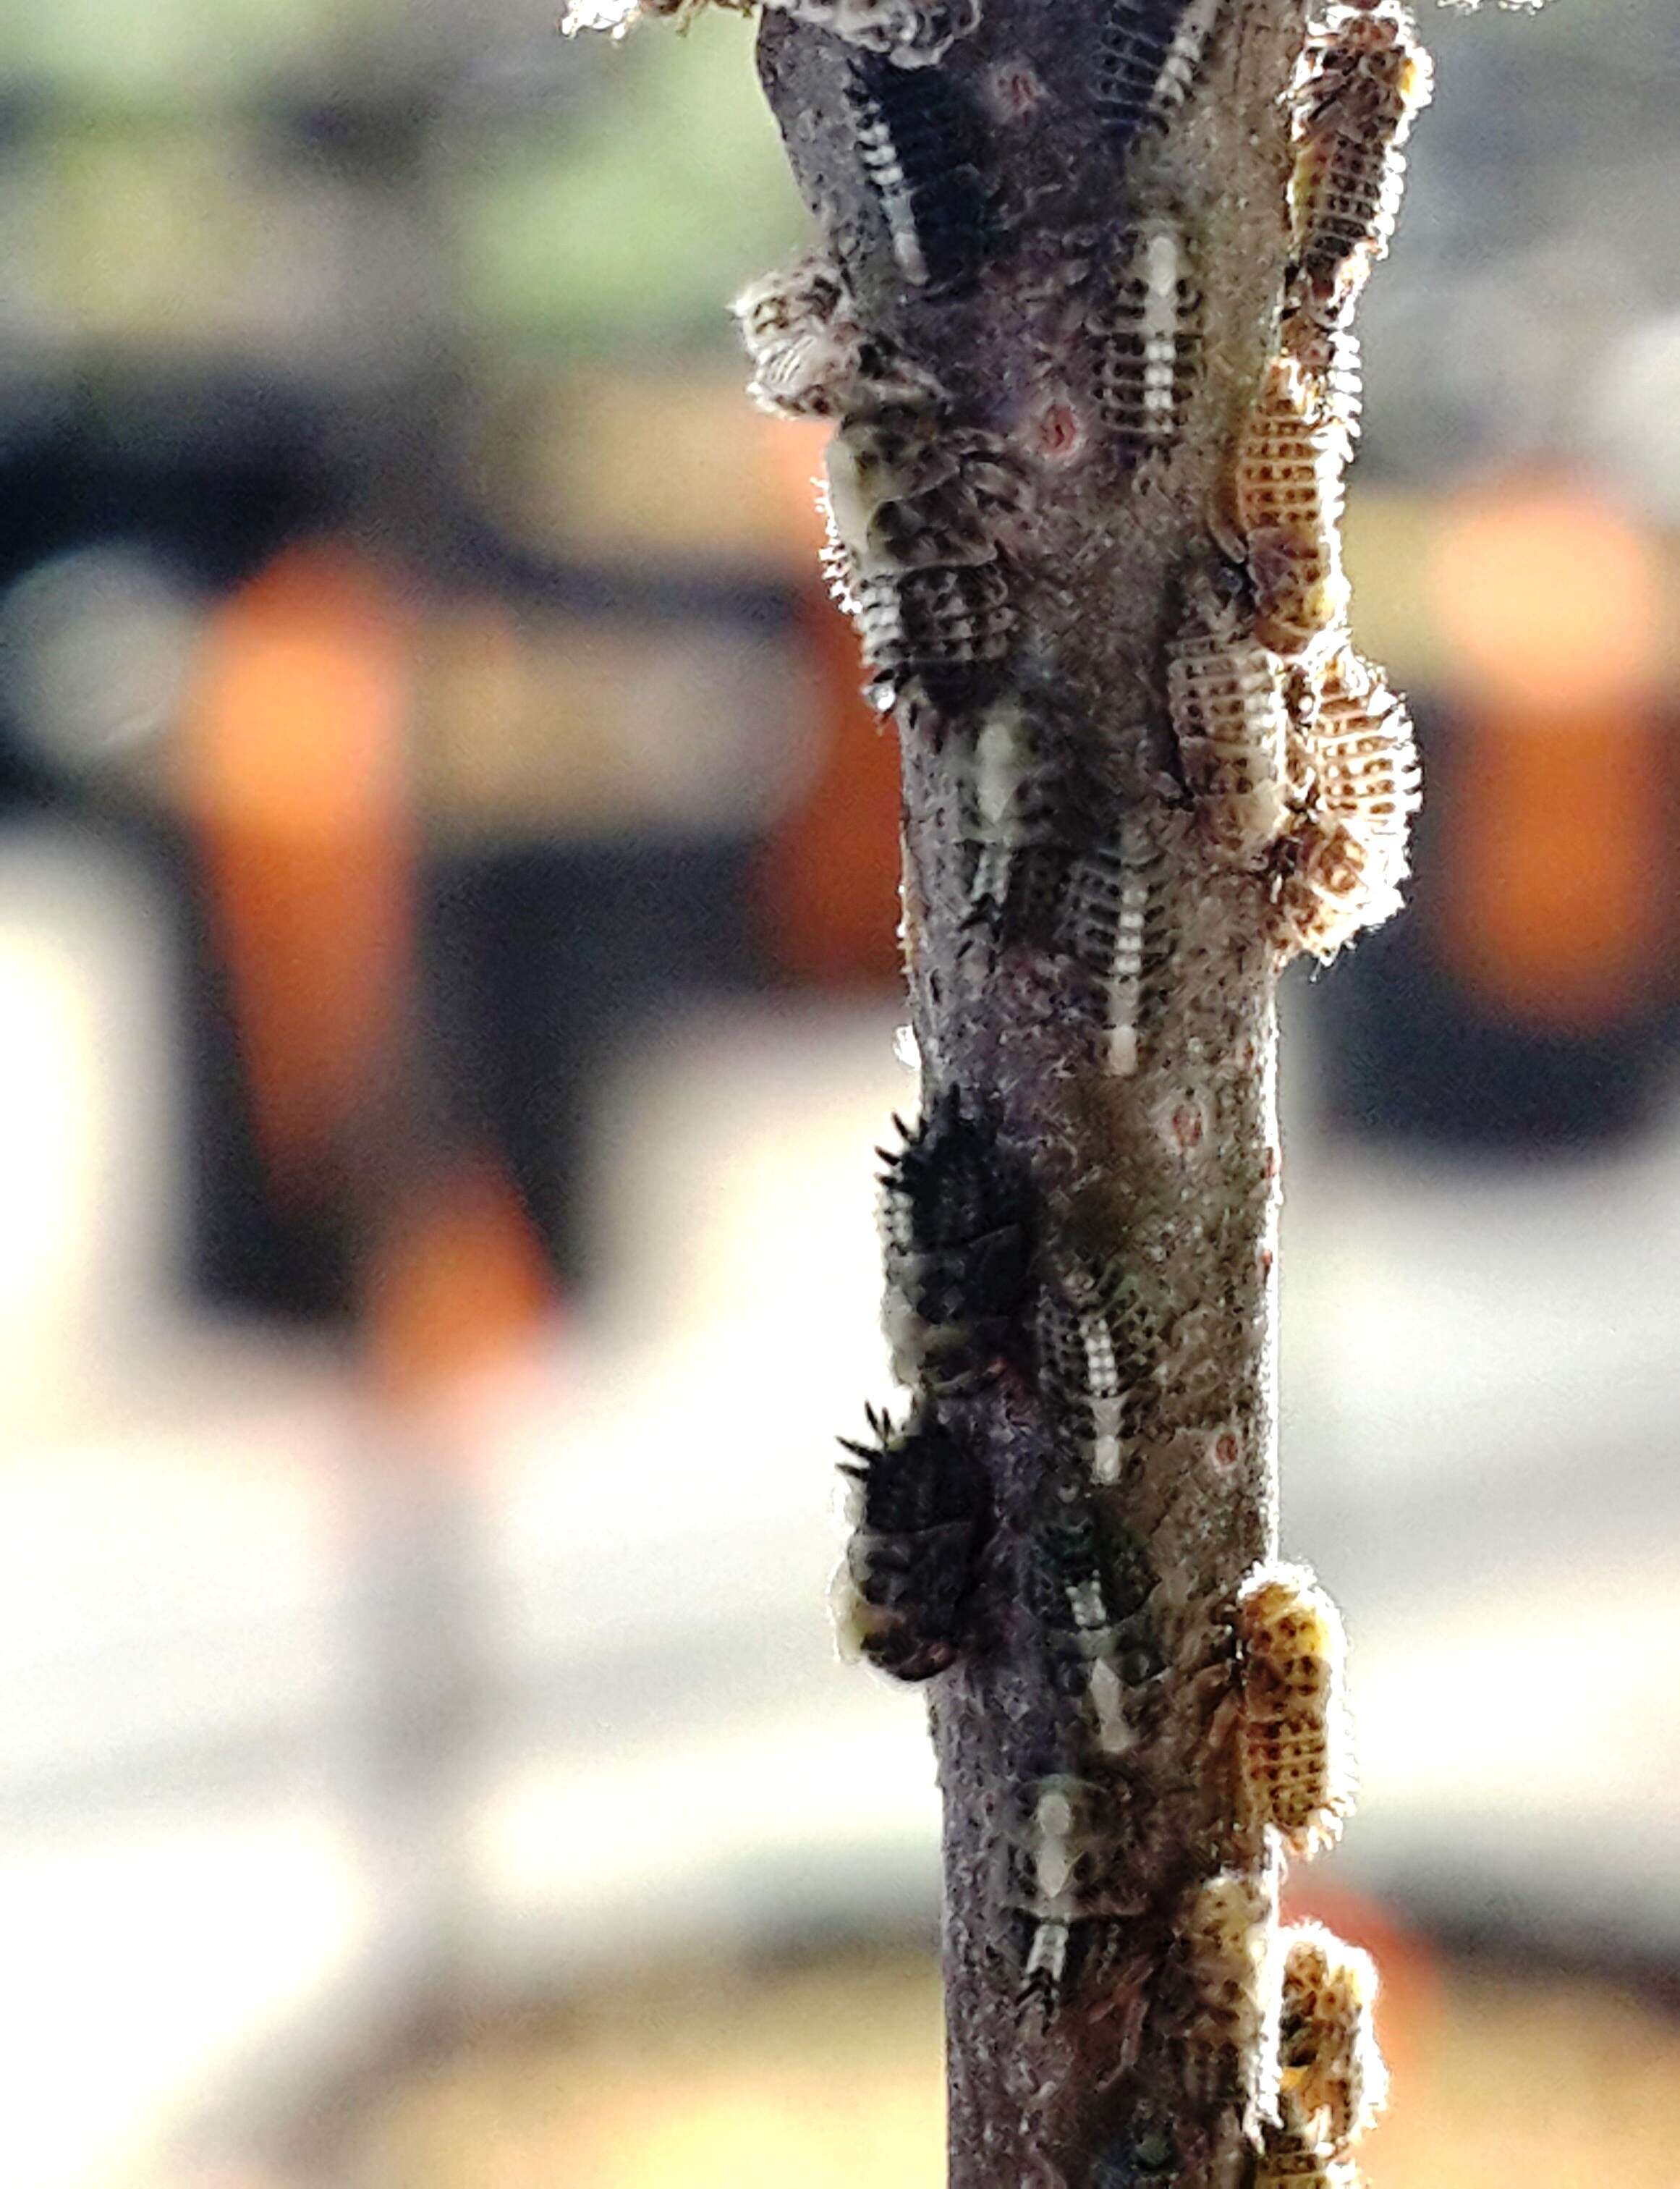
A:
(1330, 2065)
(801, 338)
(1066, 1848)
(921, 142)
(1093, 1622)
(1105, 926)
(918, 1509)
(1149, 57)
(952, 1222)
(1079, 1370)
(1232, 1936)
(1366, 79)
(1149, 342)
(1226, 697)
(1294, 1719)
(1294, 2155)
(1287, 491)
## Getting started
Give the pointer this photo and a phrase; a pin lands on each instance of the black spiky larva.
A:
(920, 140)
(1150, 341)
(1365, 80)
(953, 1232)
(914, 33)
(1225, 693)
(1104, 927)
(1331, 2067)
(1287, 493)
(1149, 59)
(1099, 1637)
(918, 1511)
(1079, 1370)
(1232, 1941)
(801, 337)
(1294, 2156)
(1296, 1749)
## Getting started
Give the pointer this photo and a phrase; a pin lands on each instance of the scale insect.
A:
(1294, 1719)
(1149, 60)
(1287, 492)
(918, 1508)
(1150, 339)
(953, 1230)
(1332, 2067)
(1225, 693)
(921, 142)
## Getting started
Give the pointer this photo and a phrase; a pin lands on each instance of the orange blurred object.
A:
(1556, 858)
(295, 767)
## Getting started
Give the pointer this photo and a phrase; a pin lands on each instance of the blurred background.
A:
(448, 984)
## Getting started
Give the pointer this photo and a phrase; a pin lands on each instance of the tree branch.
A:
(1080, 314)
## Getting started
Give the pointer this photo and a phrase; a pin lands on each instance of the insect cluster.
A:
(1300, 757)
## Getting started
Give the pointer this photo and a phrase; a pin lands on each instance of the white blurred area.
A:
(208, 1892)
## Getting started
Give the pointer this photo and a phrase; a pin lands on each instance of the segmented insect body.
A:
(1232, 1939)
(914, 517)
(1290, 462)
(1149, 59)
(1064, 1846)
(1329, 356)
(1079, 1370)
(919, 1509)
(952, 1220)
(1098, 1632)
(1149, 337)
(921, 142)
(1365, 760)
(1324, 891)
(1295, 1738)
(1365, 81)
(1105, 926)
(1002, 789)
(800, 335)
(1294, 2156)
(914, 33)
(1332, 2068)
(1225, 694)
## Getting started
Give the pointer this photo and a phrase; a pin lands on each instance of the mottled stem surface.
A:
(1153, 1172)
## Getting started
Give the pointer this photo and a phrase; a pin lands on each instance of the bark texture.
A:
(1080, 316)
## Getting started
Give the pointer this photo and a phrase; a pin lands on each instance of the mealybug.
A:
(800, 336)
(1232, 1938)
(919, 1512)
(921, 144)
(952, 1221)
(1226, 695)
(1366, 78)
(1149, 341)
(1332, 2068)
(1105, 927)
(1295, 1744)
(1287, 489)
(1149, 55)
